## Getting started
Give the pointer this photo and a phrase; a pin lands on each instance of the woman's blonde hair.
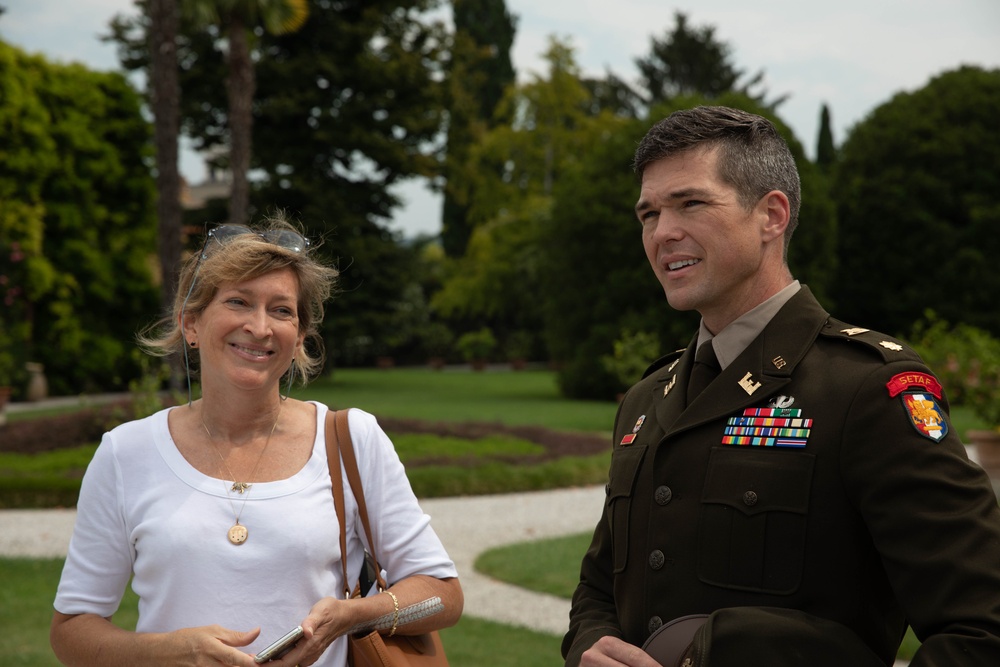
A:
(238, 259)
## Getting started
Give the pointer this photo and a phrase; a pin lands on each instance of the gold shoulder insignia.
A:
(895, 347)
(854, 331)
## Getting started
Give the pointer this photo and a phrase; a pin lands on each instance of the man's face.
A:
(705, 248)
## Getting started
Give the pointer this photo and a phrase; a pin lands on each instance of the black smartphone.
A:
(280, 647)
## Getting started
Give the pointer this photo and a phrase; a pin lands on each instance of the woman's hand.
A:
(209, 645)
(87, 639)
(328, 619)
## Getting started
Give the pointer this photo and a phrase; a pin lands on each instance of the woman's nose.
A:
(258, 324)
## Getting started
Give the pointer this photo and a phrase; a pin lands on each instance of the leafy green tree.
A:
(491, 29)
(614, 95)
(513, 171)
(479, 72)
(691, 61)
(237, 20)
(917, 199)
(74, 164)
(348, 106)
(344, 109)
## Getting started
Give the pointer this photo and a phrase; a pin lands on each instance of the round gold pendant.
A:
(238, 534)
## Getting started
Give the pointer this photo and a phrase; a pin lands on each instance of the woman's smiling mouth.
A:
(260, 354)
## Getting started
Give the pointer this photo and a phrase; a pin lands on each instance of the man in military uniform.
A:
(792, 478)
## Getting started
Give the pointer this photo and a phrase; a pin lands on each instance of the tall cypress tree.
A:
(479, 73)
(826, 152)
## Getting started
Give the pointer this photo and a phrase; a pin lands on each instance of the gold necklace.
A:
(238, 533)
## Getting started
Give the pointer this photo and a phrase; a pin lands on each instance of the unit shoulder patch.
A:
(925, 415)
(913, 379)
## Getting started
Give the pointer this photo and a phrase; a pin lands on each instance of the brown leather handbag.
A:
(371, 649)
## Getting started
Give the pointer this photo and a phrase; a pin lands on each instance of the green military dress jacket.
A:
(818, 472)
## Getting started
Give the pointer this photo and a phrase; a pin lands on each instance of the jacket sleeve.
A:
(933, 517)
(593, 614)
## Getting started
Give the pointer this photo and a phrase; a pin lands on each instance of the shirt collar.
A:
(731, 341)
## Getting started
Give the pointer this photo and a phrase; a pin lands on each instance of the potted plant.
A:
(476, 347)
(983, 396)
(436, 339)
(966, 360)
(518, 347)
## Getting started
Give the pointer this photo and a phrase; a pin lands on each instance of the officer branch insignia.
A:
(768, 427)
(925, 415)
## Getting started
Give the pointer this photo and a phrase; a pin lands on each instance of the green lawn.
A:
(512, 398)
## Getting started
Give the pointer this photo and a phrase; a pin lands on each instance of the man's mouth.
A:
(673, 266)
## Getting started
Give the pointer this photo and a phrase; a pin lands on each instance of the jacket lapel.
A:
(670, 388)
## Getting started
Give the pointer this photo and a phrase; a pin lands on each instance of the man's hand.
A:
(613, 652)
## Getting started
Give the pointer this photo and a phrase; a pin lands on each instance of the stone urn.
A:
(38, 385)
(4, 397)
(987, 444)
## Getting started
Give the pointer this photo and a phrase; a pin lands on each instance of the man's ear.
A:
(775, 205)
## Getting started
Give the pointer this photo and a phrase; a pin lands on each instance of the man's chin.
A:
(680, 299)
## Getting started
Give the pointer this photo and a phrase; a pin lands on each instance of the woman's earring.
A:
(193, 343)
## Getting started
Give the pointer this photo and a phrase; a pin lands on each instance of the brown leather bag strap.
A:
(346, 446)
(333, 461)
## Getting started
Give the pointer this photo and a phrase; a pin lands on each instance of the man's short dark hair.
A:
(753, 157)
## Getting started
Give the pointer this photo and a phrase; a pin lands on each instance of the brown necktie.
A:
(706, 368)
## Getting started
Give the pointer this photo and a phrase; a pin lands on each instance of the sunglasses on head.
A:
(283, 238)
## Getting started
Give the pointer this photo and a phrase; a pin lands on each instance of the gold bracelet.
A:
(395, 612)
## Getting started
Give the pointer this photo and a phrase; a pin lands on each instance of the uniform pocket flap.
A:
(754, 480)
(624, 470)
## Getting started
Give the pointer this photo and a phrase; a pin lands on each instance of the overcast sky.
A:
(850, 54)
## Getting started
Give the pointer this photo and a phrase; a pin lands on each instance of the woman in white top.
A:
(220, 511)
